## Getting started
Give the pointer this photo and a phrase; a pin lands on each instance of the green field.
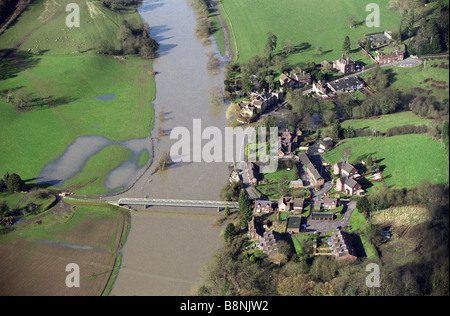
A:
(382, 123)
(43, 26)
(64, 85)
(308, 24)
(406, 79)
(407, 159)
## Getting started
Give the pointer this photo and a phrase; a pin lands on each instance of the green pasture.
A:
(64, 82)
(308, 24)
(406, 159)
(42, 26)
(382, 123)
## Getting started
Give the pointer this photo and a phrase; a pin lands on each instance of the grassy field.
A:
(406, 159)
(433, 81)
(64, 84)
(382, 123)
(308, 24)
(35, 254)
(42, 26)
(426, 79)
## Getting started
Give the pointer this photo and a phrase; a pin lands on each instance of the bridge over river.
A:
(174, 202)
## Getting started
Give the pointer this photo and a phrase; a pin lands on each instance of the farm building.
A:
(294, 224)
(321, 216)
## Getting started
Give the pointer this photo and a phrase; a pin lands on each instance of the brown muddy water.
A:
(167, 247)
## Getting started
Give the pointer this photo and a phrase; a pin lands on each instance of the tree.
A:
(351, 21)
(22, 99)
(337, 130)
(363, 205)
(288, 47)
(13, 182)
(347, 45)
(164, 161)
(319, 51)
(245, 208)
(230, 232)
(346, 153)
(368, 46)
(4, 208)
(271, 44)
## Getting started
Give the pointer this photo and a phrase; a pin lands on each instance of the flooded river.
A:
(166, 247)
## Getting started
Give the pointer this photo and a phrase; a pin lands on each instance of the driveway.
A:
(326, 226)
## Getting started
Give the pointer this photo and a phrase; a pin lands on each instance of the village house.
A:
(263, 206)
(344, 65)
(286, 143)
(348, 186)
(321, 88)
(291, 204)
(252, 173)
(269, 242)
(326, 144)
(390, 58)
(296, 80)
(341, 246)
(311, 170)
(255, 231)
(347, 84)
(330, 203)
(345, 169)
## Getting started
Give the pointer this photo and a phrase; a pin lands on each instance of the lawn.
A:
(64, 84)
(406, 159)
(308, 24)
(382, 123)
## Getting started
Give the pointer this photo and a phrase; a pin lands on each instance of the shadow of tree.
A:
(12, 62)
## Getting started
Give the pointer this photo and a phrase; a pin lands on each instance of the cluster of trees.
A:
(231, 191)
(118, 5)
(11, 183)
(406, 129)
(429, 107)
(203, 28)
(7, 8)
(435, 196)
(134, 38)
